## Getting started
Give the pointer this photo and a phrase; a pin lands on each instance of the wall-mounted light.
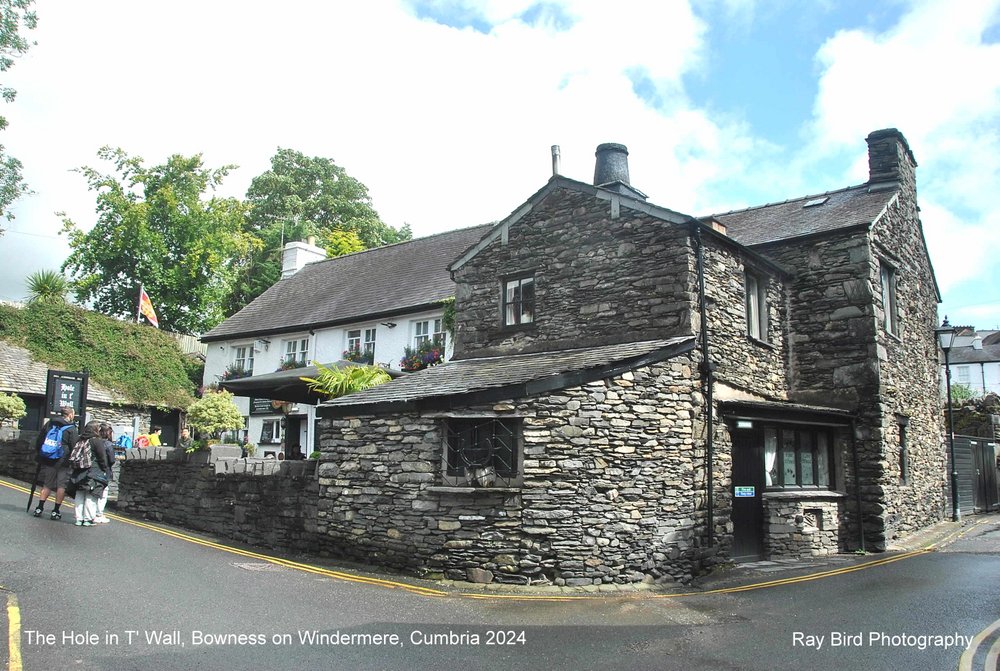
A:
(389, 325)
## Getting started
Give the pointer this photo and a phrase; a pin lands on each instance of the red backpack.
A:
(142, 441)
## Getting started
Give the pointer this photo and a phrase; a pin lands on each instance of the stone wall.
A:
(612, 488)
(271, 505)
(596, 278)
(803, 526)
(841, 355)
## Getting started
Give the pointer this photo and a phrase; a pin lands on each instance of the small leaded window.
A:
(798, 458)
(482, 452)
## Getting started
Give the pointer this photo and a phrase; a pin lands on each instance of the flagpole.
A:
(138, 309)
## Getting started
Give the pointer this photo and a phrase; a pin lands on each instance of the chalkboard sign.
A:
(65, 388)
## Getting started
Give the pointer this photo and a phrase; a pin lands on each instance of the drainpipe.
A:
(707, 371)
(857, 484)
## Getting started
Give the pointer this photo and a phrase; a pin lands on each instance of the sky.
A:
(447, 109)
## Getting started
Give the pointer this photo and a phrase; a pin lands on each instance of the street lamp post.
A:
(946, 336)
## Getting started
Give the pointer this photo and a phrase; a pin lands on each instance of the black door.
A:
(748, 488)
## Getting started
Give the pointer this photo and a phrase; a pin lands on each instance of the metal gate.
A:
(976, 461)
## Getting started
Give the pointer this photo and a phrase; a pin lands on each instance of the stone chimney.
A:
(296, 255)
(890, 161)
(611, 170)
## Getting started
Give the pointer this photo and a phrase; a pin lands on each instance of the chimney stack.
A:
(555, 160)
(611, 170)
(890, 161)
(296, 255)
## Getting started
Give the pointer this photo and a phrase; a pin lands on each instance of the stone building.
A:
(637, 393)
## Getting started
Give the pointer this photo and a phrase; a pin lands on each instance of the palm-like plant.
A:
(337, 382)
(47, 286)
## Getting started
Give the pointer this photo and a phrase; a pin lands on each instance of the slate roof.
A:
(21, 374)
(965, 355)
(853, 206)
(395, 279)
(507, 376)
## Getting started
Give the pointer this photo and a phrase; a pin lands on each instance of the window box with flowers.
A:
(427, 353)
(235, 372)
(291, 364)
(364, 356)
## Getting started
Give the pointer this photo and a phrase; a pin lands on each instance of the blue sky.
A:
(446, 110)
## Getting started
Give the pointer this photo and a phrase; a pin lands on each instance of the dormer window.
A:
(519, 300)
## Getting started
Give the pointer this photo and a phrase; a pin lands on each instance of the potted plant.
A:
(12, 408)
(210, 415)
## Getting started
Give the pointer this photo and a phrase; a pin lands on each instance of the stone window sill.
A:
(805, 494)
(445, 489)
(761, 343)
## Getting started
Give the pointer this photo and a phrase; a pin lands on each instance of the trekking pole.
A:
(34, 483)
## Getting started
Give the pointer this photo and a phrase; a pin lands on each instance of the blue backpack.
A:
(124, 441)
(52, 447)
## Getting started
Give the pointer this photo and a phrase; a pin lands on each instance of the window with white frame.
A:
(756, 305)
(890, 318)
(482, 452)
(519, 300)
(431, 329)
(354, 340)
(296, 351)
(243, 358)
(369, 343)
(962, 375)
(270, 432)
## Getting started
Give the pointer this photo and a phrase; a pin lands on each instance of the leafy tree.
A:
(302, 196)
(337, 382)
(14, 15)
(12, 408)
(214, 413)
(47, 286)
(157, 227)
(341, 242)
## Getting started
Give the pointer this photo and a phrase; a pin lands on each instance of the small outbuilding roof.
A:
(21, 374)
(488, 379)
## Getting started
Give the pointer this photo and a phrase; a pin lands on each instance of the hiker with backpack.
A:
(90, 472)
(107, 435)
(55, 442)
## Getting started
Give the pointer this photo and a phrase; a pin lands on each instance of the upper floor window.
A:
(519, 300)
(358, 349)
(243, 358)
(482, 452)
(430, 329)
(296, 351)
(798, 458)
(354, 341)
(757, 308)
(962, 375)
(890, 317)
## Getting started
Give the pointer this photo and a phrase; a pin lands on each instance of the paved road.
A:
(193, 605)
